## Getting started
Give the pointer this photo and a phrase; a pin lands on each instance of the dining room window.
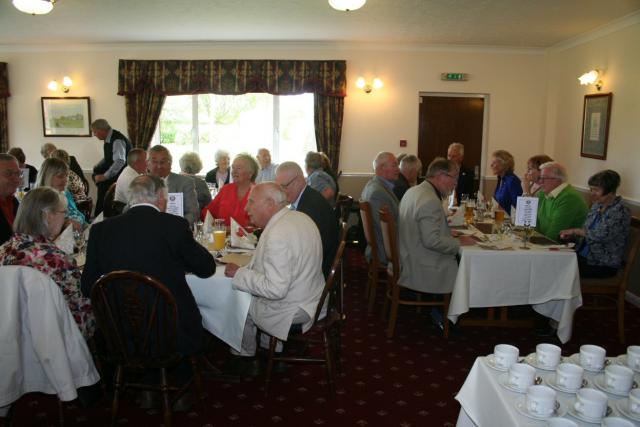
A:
(206, 123)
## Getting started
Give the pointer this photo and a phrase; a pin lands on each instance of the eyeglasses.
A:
(285, 186)
(16, 174)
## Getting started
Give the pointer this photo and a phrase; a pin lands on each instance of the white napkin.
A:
(457, 219)
(208, 223)
(480, 197)
(240, 238)
(65, 240)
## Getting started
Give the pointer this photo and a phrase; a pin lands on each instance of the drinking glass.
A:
(219, 235)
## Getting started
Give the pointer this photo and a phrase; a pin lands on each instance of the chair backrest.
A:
(343, 207)
(631, 251)
(328, 286)
(109, 204)
(367, 225)
(390, 240)
(137, 315)
(86, 207)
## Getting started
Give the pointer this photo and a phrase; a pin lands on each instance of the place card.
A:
(175, 204)
(526, 211)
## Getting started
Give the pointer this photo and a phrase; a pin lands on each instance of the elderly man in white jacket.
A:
(285, 274)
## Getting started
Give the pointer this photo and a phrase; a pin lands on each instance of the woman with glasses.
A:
(509, 187)
(55, 173)
(530, 185)
(38, 222)
(602, 239)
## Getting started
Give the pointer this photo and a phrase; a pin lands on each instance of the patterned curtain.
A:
(143, 113)
(139, 79)
(328, 112)
(4, 118)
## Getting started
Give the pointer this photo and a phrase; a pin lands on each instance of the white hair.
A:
(381, 158)
(557, 170)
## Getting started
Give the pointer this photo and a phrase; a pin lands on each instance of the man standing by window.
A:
(116, 147)
(267, 171)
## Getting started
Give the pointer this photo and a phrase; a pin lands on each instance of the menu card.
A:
(175, 204)
(526, 211)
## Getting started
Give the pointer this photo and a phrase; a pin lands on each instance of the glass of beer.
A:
(498, 216)
(468, 212)
(219, 235)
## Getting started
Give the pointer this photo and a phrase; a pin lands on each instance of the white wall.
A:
(372, 122)
(618, 54)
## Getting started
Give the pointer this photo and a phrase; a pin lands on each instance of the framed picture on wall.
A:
(595, 125)
(69, 116)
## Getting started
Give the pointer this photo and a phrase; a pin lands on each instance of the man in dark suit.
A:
(10, 179)
(149, 241)
(307, 200)
(410, 166)
(465, 185)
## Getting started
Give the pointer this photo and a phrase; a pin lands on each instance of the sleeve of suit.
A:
(274, 282)
(429, 225)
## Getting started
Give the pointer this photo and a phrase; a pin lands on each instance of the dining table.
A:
(498, 272)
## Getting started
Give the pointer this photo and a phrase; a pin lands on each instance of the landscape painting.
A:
(69, 116)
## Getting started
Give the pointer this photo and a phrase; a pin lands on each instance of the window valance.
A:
(232, 77)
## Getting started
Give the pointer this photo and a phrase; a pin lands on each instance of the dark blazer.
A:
(33, 174)
(465, 183)
(319, 210)
(211, 177)
(157, 244)
(400, 186)
(5, 229)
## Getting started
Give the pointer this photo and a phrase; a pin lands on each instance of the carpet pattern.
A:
(410, 380)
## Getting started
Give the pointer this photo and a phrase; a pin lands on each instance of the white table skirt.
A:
(224, 310)
(485, 403)
(547, 280)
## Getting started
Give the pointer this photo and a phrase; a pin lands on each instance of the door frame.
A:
(485, 125)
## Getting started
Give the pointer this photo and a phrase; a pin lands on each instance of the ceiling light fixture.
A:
(34, 7)
(347, 5)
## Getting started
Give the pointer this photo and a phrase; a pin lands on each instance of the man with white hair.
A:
(455, 153)
(136, 166)
(267, 170)
(560, 206)
(379, 193)
(285, 273)
(410, 167)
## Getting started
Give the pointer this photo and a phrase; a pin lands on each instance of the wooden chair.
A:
(390, 238)
(344, 203)
(137, 316)
(375, 269)
(327, 327)
(614, 288)
(86, 207)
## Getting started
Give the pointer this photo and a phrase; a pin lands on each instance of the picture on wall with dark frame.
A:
(595, 125)
(70, 116)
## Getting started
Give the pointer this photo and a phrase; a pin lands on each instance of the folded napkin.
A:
(240, 238)
(65, 240)
(237, 259)
(208, 223)
(457, 219)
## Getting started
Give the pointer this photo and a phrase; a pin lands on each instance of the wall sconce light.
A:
(361, 83)
(347, 5)
(592, 77)
(66, 84)
(34, 7)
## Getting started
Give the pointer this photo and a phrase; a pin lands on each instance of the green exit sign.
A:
(456, 77)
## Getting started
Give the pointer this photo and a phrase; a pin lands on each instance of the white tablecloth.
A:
(223, 309)
(547, 280)
(485, 403)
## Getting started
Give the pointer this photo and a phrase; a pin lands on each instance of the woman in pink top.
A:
(232, 198)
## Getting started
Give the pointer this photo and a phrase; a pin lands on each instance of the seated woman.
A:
(55, 173)
(602, 240)
(508, 188)
(318, 179)
(219, 176)
(75, 185)
(38, 222)
(530, 184)
(232, 198)
(190, 165)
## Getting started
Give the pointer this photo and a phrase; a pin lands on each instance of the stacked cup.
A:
(504, 355)
(590, 405)
(592, 357)
(547, 356)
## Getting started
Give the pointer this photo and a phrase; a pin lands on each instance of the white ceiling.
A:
(514, 23)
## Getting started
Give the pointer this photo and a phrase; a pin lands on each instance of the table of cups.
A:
(585, 388)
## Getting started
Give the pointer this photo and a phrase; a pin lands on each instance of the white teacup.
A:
(591, 404)
(505, 355)
(616, 422)
(634, 402)
(561, 422)
(540, 400)
(547, 355)
(592, 357)
(633, 357)
(521, 376)
(569, 376)
(618, 378)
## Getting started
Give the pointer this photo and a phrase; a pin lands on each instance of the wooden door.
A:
(447, 119)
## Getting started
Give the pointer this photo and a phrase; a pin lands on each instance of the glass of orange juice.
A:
(219, 235)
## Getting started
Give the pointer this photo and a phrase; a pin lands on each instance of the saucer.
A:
(575, 359)
(522, 410)
(503, 380)
(491, 362)
(623, 406)
(590, 420)
(599, 382)
(622, 360)
(551, 382)
(533, 361)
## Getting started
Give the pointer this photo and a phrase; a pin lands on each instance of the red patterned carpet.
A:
(410, 380)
